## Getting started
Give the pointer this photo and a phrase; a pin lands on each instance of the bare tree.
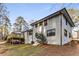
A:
(4, 21)
(74, 13)
(21, 24)
(6, 25)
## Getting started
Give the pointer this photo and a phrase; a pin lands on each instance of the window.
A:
(30, 32)
(65, 32)
(45, 22)
(36, 25)
(40, 23)
(69, 35)
(66, 21)
(51, 32)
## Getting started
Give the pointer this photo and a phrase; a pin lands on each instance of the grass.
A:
(22, 50)
(41, 50)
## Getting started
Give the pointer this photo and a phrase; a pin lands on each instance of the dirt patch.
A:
(53, 50)
(3, 50)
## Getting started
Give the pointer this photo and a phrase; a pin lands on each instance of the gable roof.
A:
(62, 11)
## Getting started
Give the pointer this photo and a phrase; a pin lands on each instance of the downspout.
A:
(33, 34)
(61, 31)
(24, 37)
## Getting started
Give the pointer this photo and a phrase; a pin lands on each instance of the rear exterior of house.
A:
(57, 28)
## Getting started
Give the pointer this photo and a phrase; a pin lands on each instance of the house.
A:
(56, 28)
(75, 32)
(75, 35)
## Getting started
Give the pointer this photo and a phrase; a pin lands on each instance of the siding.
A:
(54, 22)
(26, 38)
(69, 30)
(51, 23)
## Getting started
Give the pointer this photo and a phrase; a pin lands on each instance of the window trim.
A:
(40, 23)
(53, 32)
(36, 25)
(65, 34)
(45, 22)
(70, 35)
(66, 22)
(30, 32)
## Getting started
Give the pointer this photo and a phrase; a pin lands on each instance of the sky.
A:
(35, 11)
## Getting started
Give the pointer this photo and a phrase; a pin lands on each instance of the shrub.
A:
(32, 42)
(41, 38)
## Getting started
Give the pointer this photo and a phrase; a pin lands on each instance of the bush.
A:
(41, 38)
(32, 42)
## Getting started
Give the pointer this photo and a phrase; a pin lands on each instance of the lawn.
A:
(41, 50)
(21, 50)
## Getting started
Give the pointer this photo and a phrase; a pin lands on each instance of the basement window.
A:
(65, 32)
(51, 32)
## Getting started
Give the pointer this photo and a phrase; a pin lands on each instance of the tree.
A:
(4, 21)
(15, 27)
(20, 24)
(6, 26)
(74, 13)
